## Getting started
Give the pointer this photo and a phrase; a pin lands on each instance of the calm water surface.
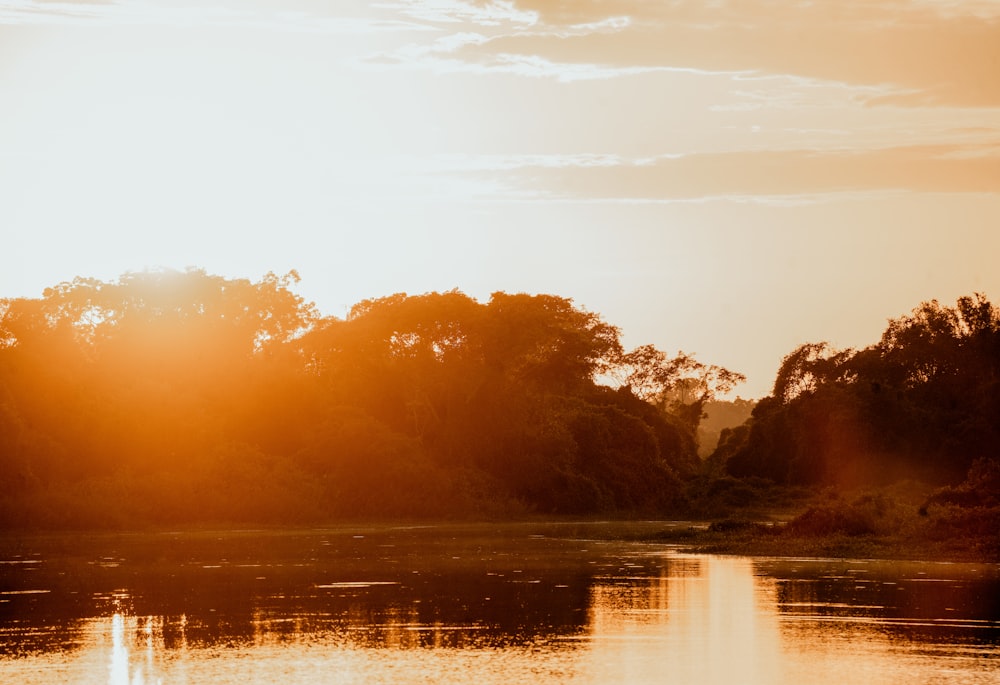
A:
(536, 604)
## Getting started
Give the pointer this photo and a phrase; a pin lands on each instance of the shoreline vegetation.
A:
(181, 400)
(731, 537)
(894, 523)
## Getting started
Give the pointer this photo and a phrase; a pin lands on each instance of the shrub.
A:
(831, 520)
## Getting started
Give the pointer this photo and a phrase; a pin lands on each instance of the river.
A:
(538, 603)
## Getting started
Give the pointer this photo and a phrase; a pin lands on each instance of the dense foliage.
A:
(171, 397)
(922, 403)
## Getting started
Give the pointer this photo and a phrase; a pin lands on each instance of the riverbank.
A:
(926, 541)
(905, 521)
(773, 540)
(867, 528)
(929, 540)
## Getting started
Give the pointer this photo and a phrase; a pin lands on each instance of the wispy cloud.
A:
(764, 175)
(923, 52)
(440, 58)
(491, 13)
(914, 53)
(469, 51)
(908, 53)
(951, 9)
(756, 92)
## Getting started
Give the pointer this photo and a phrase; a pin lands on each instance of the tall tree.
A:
(679, 385)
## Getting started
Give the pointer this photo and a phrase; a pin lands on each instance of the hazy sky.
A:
(727, 178)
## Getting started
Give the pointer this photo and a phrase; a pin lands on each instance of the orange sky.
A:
(727, 178)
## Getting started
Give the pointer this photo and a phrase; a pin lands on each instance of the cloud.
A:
(926, 53)
(915, 53)
(440, 58)
(491, 13)
(766, 175)
(470, 51)
(708, 14)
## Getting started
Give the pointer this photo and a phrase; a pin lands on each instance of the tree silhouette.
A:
(922, 402)
(172, 396)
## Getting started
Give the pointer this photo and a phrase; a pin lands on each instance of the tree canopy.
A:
(923, 402)
(183, 396)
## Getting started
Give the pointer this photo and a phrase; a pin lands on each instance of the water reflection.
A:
(141, 637)
(484, 606)
(702, 619)
(890, 622)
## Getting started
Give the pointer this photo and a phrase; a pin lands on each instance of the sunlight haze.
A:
(727, 179)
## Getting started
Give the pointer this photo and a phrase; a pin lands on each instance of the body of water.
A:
(524, 603)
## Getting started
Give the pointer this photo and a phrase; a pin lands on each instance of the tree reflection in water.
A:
(460, 606)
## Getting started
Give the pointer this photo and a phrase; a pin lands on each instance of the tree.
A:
(146, 372)
(679, 386)
(922, 402)
(544, 339)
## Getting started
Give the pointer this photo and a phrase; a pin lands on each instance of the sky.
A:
(731, 179)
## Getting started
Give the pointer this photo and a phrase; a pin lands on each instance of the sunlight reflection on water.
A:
(542, 612)
(705, 625)
(706, 620)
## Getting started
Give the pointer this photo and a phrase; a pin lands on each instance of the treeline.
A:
(180, 397)
(183, 397)
(922, 403)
